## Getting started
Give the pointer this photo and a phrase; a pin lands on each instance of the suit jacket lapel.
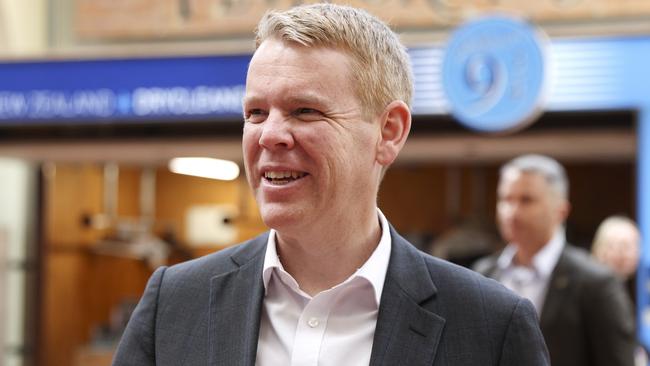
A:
(558, 287)
(235, 307)
(403, 323)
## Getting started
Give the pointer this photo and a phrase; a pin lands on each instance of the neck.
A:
(323, 258)
(526, 253)
(524, 258)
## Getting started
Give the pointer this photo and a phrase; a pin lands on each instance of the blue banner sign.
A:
(122, 90)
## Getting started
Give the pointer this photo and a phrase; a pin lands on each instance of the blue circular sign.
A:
(493, 74)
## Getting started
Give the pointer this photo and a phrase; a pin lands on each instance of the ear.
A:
(395, 124)
(564, 210)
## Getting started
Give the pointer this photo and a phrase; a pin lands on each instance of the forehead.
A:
(290, 65)
(622, 231)
(515, 181)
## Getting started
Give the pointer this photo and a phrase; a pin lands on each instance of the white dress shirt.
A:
(532, 281)
(335, 327)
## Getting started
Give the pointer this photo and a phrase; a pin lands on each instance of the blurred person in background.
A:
(585, 314)
(326, 112)
(616, 245)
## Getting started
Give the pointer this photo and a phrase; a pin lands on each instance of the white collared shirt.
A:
(335, 327)
(531, 282)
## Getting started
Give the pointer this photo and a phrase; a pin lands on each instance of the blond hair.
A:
(604, 230)
(380, 65)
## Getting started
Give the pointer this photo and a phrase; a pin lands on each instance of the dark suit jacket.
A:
(207, 312)
(587, 317)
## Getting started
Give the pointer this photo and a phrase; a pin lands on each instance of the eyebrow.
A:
(302, 98)
(307, 98)
(250, 100)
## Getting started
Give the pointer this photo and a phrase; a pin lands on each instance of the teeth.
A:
(284, 175)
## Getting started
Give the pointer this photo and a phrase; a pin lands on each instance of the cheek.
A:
(505, 211)
(320, 146)
(250, 146)
(250, 139)
(539, 219)
(554, 217)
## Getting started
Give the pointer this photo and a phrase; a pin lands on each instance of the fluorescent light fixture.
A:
(205, 167)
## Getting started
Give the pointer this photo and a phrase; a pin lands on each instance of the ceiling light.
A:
(205, 167)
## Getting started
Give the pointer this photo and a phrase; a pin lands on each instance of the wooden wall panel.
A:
(64, 312)
(81, 288)
(71, 192)
(413, 198)
(128, 204)
(82, 293)
(111, 282)
(430, 198)
(597, 191)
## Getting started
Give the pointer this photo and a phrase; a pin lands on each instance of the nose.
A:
(277, 133)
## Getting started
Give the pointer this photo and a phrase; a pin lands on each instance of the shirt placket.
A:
(310, 331)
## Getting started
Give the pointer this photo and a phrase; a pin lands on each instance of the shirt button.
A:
(313, 322)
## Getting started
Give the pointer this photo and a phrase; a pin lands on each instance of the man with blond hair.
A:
(326, 112)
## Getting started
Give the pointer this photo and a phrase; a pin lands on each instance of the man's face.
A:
(528, 210)
(309, 152)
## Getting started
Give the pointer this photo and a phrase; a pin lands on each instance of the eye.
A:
(255, 115)
(527, 200)
(307, 114)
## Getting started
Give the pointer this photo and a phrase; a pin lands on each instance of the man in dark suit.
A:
(585, 314)
(326, 112)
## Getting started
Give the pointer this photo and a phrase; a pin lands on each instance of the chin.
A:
(280, 218)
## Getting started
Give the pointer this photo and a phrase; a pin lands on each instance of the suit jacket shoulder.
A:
(487, 265)
(586, 268)
(587, 318)
(179, 319)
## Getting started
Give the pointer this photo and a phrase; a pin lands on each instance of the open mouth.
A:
(284, 177)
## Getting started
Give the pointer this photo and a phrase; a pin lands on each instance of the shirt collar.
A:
(271, 260)
(543, 261)
(373, 270)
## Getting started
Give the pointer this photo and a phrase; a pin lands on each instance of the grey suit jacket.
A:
(207, 312)
(587, 317)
